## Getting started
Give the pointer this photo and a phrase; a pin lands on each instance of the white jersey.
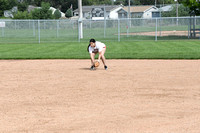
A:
(98, 48)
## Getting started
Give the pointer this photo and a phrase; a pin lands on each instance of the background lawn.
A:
(184, 49)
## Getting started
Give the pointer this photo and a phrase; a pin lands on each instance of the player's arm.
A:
(92, 56)
(100, 55)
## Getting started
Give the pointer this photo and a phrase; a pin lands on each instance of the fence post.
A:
(127, 28)
(2, 29)
(2, 25)
(90, 19)
(15, 24)
(104, 21)
(34, 28)
(78, 31)
(57, 29)
(90, 23)
(160, 25)
(189, 28)
(80, 27)
(156, 29)
(118, 30)
(38, 31)
(29, 24)
(104, 28)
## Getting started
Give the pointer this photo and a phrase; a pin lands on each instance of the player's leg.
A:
(103, 58)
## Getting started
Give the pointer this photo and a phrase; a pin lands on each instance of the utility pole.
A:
(155, 3)
(80, 21)
(176, 11)
(128, 19)
(129, 3)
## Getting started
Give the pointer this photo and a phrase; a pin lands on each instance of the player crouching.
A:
(97, 47)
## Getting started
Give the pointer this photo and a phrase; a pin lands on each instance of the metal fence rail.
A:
(47, 31)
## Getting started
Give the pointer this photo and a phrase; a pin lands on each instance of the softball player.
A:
(97, 47)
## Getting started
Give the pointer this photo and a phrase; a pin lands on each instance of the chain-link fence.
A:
(50, 31)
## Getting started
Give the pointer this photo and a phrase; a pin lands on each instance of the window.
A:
(155, 14)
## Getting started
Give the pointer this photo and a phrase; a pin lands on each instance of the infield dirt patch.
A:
(159, 33)
(132, 96)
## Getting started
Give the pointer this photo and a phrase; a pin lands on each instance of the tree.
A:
(22, 15)
(126, 2)
(67, 4)
(22, 6)
(12, 3)
(6, 5)
(144, 2)
(57, 14)
(194, 6)
(68, 13)
(105, 2)
(36, 14)
(118, 2)
(43, 12)
(74, 3)
(3, 6)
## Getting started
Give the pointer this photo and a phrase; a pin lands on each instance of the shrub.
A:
(22, 15)
(43, 12)
(57, 14)
(68, 13)
(22, 6)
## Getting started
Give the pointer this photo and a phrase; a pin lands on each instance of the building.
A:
(139, 12)
(9, 13)
(99, 12)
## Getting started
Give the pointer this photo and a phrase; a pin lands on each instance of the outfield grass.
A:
(188, 49)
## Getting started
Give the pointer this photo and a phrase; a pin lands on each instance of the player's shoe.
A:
(92, 68)
(105, 67)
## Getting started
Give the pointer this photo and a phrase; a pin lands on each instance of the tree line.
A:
(67, 6)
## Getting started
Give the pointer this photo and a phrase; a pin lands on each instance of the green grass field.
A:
(184, 49)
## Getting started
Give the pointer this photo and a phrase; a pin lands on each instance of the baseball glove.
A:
(96, 63)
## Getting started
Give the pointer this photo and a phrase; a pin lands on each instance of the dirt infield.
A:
(160, 33)
(132, 96)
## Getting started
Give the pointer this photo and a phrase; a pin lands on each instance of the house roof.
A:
(138, 8)
(89, 8)
(166, 8)
(30, 8)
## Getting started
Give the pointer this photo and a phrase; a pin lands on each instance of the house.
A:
(139, 12)
(9, 13)
(99, 12)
